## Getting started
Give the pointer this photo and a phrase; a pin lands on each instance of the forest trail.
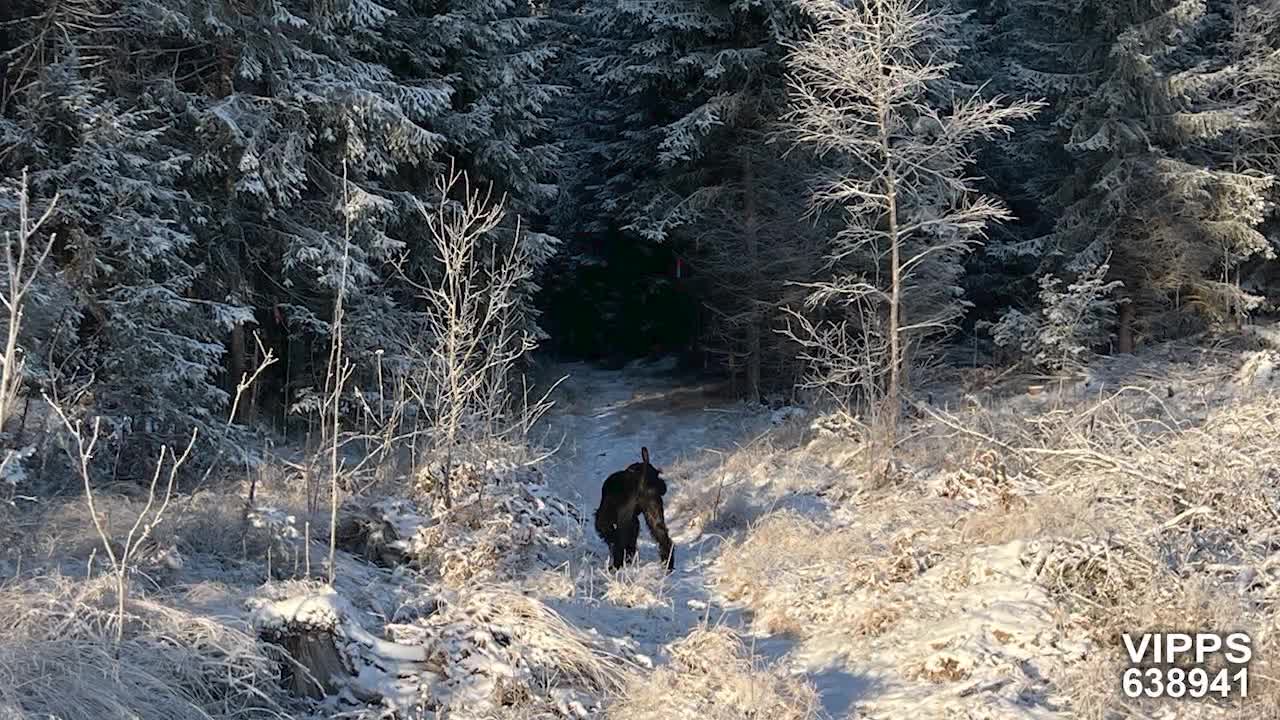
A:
(604, 418)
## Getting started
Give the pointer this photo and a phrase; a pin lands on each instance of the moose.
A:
(625, 496)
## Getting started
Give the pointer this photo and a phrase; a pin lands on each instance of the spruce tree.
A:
(1135, 167)
(228, 167)
(126, 262)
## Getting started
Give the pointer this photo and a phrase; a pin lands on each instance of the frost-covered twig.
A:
(340, 370)
(143, 524)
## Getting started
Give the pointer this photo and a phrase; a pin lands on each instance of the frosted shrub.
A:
(281, 528)
(13, 473)
(500, 648)
(504, 518)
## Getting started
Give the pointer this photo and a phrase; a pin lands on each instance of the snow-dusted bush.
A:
(483, 651)
(984, 482)
(283, 538)
(1068, 325)
(503, 520)
(492, 646)
(13, 473)
(25, 250)
(1135, 510)
(712, 676)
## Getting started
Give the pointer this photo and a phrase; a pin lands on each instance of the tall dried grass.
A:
(60, 659)
(712, 676)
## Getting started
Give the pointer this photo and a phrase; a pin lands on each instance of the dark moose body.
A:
(625, 496)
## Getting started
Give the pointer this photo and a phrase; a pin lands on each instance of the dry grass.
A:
(1035, 517)
(59, 659)
(1189, 520)
(724, 501)
(779, 569)
(1150, 512)
(750, 482)
(639, 585)
(797, 575)
(1171, 604)
(712, 676)
(1148, 507)
(208, 528)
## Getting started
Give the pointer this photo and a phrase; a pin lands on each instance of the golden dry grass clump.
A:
(712, 676)
(59, 658)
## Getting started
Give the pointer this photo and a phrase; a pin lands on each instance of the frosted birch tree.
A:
(870, 93)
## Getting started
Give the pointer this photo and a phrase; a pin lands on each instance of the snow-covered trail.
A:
(610, 415)
(605, 418)
(602, 420)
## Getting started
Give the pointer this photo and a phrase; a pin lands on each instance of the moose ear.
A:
(644, 455)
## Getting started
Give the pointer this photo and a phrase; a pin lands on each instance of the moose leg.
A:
(630, 539)
(623, 541)
(605, 527)
(614, 547)
(658, 529)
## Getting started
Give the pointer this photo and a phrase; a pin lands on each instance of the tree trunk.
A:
(315, 651)
(893, 398)
(751, 245)
(1124, 335)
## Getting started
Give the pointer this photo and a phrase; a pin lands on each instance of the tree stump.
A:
(316, 668)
